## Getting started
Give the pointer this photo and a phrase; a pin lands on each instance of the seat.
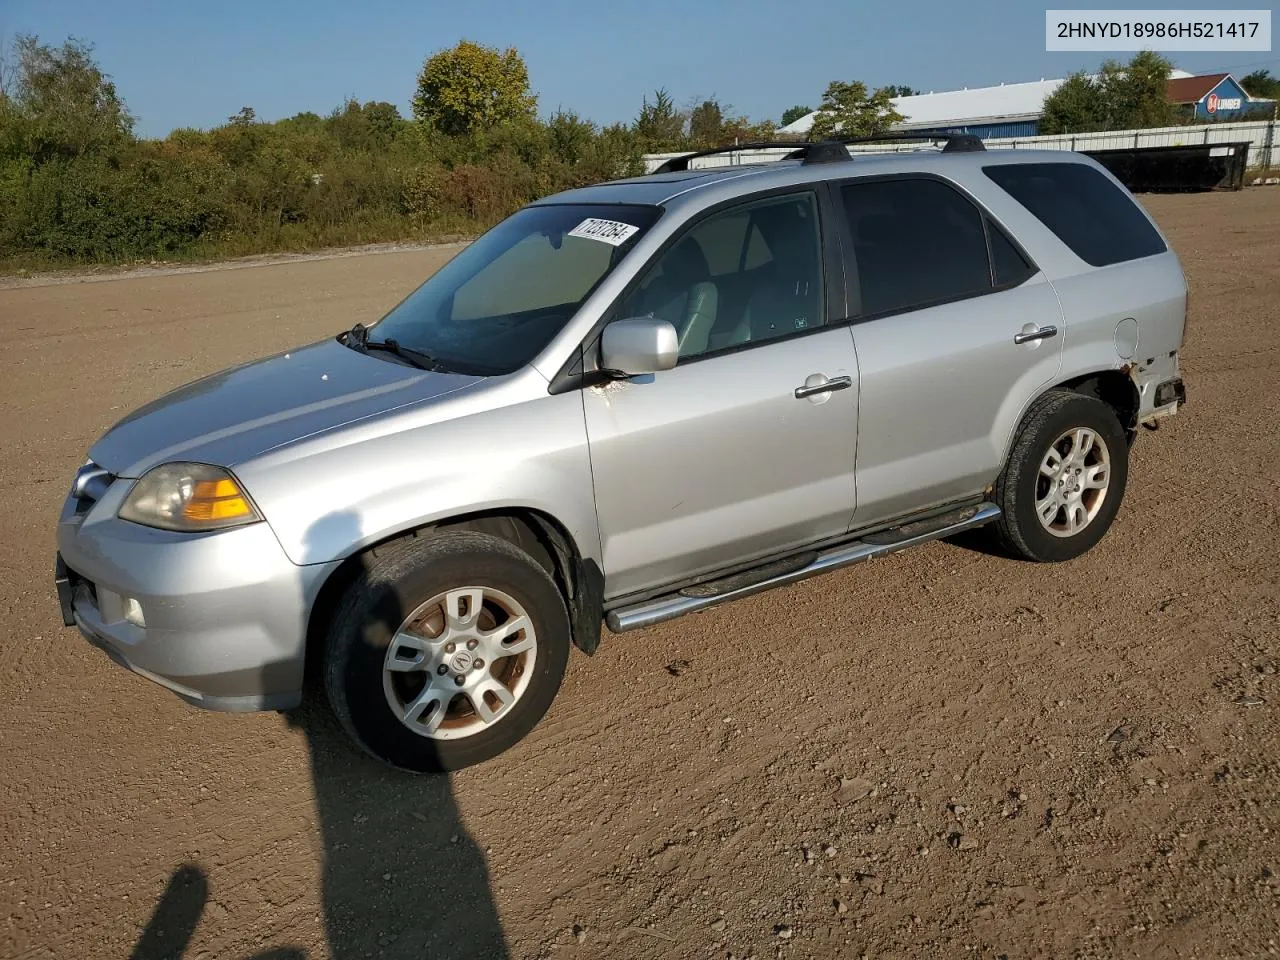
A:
(685, 296)
(782, 309)
(700, 317)
(787, 291)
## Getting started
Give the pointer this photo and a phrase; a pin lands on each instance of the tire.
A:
(1061, 420)
(373, 690)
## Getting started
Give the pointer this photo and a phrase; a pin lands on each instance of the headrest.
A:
(686, 262)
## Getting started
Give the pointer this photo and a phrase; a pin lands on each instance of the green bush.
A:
(422, 194)
(77, 185)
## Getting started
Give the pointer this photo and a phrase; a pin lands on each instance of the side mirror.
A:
(639, 345)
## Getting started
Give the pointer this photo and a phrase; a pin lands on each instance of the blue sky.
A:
(182, 63)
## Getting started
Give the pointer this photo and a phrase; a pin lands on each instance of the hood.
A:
(240, 413)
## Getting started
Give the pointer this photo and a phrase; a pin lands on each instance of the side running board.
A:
(881, 544)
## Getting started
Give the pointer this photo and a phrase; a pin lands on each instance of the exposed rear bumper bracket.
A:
(1171, 391)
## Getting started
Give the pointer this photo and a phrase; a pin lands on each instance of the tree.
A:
(241, 138)
(1075, 107)
(1261, 84)
(742, 130)
(308, 121)
(384, 120)
(848, 109)
(371, 126)
(1135, 94)
(792, 114)
(61, 104)
(617, 152)
(571, 137)
(76, 184)
(1123, 96)
(8, 74)
(706, 124)
(660, 126)
(473, 87)
(902, 90)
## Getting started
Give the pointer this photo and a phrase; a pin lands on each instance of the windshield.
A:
(494, 306)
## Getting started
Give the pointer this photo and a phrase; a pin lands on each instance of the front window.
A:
(492, 308)
(747, 274)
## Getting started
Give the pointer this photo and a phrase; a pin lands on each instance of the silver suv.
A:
(625, 403)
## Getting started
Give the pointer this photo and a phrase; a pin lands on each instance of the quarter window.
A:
(748, 274)
(1100, 222)
(1008, 266)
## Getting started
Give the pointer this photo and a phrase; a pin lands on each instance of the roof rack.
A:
(827, 151)
(677, 164)
(955, 142)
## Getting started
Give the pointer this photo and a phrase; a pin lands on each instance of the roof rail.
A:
(827, 151)
(801, 149)
(955, 142)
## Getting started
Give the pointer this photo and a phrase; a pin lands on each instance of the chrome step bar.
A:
(669, 607)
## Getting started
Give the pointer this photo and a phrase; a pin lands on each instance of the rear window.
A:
(919, 242)
(1099, 221)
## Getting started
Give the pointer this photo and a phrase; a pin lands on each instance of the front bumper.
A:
(220, 619)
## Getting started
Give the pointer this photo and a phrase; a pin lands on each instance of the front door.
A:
(746, 448)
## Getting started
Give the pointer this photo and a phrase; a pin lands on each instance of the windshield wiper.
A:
(358, 339)
(418, 358)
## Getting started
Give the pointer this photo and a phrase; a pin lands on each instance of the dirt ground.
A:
(940, 754)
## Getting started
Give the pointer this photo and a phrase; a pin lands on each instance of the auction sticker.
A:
(611, 232)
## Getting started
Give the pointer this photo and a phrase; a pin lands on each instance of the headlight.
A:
(189, 497)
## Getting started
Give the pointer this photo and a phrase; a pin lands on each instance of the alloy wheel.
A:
(459, 663)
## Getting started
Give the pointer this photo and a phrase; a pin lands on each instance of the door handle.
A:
(1040, 333)
(826, 386)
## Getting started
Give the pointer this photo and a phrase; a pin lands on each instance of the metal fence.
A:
(1261, 135)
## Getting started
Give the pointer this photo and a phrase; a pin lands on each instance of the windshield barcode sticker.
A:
(611, 232)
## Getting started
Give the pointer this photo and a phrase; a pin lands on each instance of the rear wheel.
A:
(1062, 485)
(447, 651)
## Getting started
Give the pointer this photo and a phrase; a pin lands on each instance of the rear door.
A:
(745, 448)
(954, 328)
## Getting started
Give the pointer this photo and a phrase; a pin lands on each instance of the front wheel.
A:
(1062, 485)
(446, 651)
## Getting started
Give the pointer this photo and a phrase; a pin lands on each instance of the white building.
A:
(1007, 110)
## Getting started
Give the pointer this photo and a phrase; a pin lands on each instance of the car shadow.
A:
(401, 877)
(978, 540)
